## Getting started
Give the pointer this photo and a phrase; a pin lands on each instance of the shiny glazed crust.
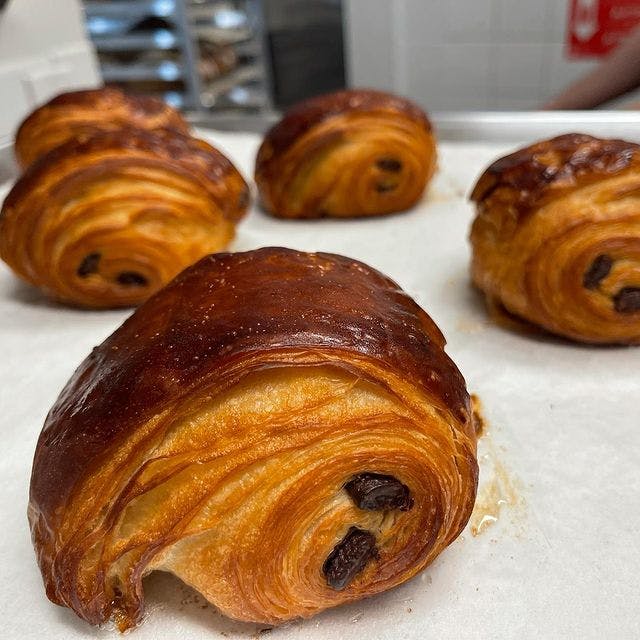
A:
(106, 221)
(79, 114)
(213, 433)
(556, 239)
(346, 154)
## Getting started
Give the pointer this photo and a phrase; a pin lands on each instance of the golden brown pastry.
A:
(107, 221)
(281, 430)
(556, 239)
(346, 154)
(79, 114)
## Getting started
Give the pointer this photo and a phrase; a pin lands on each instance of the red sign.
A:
(598, 26)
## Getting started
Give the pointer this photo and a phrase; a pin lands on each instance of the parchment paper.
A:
(562, 452)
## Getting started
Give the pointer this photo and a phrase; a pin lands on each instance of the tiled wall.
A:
(462, 54)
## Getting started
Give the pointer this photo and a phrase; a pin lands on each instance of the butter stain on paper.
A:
(497, 491)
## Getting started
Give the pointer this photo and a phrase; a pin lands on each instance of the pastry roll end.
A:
(556, 238)
(281, 430)
(346, 154)
(108, 220)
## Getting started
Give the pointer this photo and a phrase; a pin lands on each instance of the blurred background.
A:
(240, 61)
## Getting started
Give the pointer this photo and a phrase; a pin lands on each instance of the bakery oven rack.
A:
(203, 56)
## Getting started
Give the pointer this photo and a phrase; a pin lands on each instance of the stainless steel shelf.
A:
(218, 87)
(250, 48)
(524, 126)
(226, 18)
(167, 71)
(159, 39)
(113, 24)
(131, 9)
(222, 36)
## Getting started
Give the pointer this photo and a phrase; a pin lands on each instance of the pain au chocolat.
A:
(346, 154)
(556, 239)
(108, 220)
(80, 114)
(281, 430)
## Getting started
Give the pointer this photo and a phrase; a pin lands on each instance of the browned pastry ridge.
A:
(346, 154)
(108, 220)
(80, 114)
(281, 430)
(556, 239)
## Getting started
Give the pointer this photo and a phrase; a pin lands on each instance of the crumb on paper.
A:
(436, 195)
(467, 325)
(426, 577)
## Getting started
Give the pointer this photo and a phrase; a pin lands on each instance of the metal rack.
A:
(238, 26)
(199, 55)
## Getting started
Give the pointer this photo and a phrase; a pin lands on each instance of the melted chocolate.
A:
(349, 557)
(389, 164)
(132, 279)
(379, 492)
(627, 300)
(89, 265)
(598, 270)
(381, 187)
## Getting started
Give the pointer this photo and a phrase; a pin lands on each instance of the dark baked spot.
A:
(379, 492)
(389, 164)
(525, 177)
(627, 300)
(598, 270)
(243, 199)
(349, 557)
(89, 265)
(132, 279)
(383, 187)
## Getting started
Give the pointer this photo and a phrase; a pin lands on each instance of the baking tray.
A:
(556, 552)
(473, 126)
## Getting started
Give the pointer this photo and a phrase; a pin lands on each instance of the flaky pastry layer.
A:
(81, 114)
(346, 154)
(283, 431)
(107, 221)
(556, 239)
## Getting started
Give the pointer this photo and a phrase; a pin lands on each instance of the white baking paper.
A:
(563, 450)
